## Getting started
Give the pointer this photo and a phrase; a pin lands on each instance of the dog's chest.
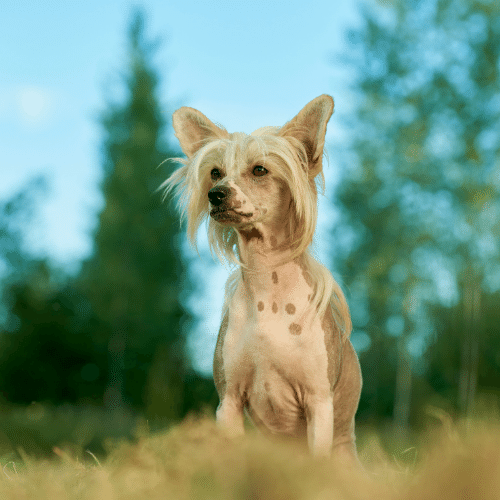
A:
(274, 362)
(256, 344)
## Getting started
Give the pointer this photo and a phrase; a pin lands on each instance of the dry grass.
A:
(195, 461)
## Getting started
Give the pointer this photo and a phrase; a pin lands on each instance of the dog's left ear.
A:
(309, 127)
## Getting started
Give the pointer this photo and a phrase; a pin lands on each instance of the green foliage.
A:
(54, 349)
(35, 429)
(443, 359)
(419, 193)
(50, 340)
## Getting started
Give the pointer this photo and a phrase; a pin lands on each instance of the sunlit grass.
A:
(194, 460)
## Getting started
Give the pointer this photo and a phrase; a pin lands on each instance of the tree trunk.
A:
(470, 347)
(402, 397)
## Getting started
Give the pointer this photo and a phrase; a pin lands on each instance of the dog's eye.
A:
(215, 174)
(259, 171)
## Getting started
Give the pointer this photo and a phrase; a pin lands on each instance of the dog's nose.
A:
(218, 194)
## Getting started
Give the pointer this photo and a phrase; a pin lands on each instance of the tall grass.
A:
(195, 461)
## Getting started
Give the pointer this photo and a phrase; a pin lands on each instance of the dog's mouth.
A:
(228, 215)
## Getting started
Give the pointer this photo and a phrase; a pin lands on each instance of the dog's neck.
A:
(267, 260)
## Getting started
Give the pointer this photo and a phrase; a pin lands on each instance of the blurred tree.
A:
(444, 358)
(419, 192)
(51, 348)
(49, 342)
(135, 278)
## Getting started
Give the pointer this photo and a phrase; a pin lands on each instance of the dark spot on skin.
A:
(251, 234)
(309, 297)
(273, 241)
(260, 306)
(267, 386)
(275, 307)
(290, 309)
(295, 329)
(275, 277)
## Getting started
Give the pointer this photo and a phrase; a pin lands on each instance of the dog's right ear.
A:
(194, 130)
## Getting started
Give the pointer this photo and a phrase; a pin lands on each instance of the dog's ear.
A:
(194, 130)
(309, 127)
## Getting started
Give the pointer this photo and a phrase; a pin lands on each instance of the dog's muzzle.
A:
(222, 211)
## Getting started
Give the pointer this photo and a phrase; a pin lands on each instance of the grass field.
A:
(195, 461)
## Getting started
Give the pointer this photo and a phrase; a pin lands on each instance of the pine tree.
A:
(136, 275)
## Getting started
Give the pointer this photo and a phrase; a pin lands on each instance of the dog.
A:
(283, 354)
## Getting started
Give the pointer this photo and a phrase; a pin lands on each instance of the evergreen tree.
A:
(136, 275)
(420, 192)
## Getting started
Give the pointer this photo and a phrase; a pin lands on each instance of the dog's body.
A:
(283, 351)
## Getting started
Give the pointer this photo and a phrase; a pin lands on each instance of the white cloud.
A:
(35, 104)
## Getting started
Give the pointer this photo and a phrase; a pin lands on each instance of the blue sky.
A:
(243, 64)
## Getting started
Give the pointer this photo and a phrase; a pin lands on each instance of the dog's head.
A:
(239, 180)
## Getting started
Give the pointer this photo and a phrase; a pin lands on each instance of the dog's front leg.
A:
(229, 416)
(319, 415)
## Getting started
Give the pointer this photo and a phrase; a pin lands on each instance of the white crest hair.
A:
(287, 159)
